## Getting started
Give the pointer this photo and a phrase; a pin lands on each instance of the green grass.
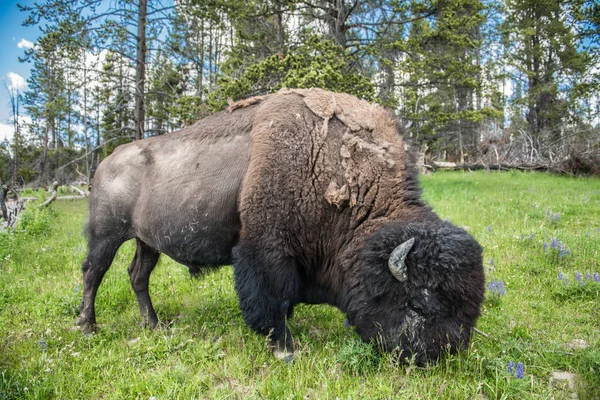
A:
(204, 350)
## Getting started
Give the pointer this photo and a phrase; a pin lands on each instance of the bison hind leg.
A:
(141, 267)
(101, 252)
(268, 287)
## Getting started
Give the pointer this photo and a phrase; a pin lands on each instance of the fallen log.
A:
(435, 165)
(81, 192)
(53, 195)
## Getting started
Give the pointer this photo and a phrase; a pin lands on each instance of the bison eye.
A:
(424, 302)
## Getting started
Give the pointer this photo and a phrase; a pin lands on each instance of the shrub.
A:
(35, 221)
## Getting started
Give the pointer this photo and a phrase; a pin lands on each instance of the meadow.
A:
(540, 319)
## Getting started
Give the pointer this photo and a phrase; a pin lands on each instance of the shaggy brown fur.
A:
(327, 171)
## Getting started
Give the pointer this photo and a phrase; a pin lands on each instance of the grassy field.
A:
(542, 249)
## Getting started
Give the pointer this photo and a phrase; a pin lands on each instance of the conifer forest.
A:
(487, 83)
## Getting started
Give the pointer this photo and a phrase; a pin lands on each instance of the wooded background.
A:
(478, 82)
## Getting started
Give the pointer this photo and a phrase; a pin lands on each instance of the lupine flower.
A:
(489, 228)
(510, 366)
(554, 243)
(551, 216)
(588, 276)
(563, 251)
(560, 275)
(43, 344)
(522, 237)
(497, 287)
(578, 276)
(596, 277)
(519, 374)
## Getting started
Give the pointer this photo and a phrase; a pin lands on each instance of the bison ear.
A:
(396, 260)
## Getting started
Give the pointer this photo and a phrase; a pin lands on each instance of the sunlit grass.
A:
(204, 350)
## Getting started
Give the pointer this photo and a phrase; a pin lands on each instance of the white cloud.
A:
(6, 132)
(24, 43)
(16, 81)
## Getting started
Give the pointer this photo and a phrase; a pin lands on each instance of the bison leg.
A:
(141, 267)
(100, 255)
(267, 291)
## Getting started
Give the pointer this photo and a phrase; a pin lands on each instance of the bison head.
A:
(423, 285)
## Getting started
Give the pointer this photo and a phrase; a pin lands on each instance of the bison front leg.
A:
(141, 267)
(267, 287)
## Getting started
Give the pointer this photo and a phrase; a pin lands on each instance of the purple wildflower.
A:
(578, 276)
(588, 276)
(596, 277)
(522, 237)
(510, 366)
(554, 243)
(501, 288)
(497, 287)
(346, 323)
(43, 344)
(560, 275)
(519, 374)
(489, 228)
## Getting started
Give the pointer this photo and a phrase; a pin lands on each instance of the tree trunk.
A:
(140, 71)
(278, 25)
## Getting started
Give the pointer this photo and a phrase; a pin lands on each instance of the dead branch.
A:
(502, 166)
(53, 195)
(81, 192)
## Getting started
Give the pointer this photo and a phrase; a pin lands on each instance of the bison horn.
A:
(397, 257)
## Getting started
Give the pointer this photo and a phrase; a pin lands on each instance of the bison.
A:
(314, 198)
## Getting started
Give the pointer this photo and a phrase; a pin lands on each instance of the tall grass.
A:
(204, 350)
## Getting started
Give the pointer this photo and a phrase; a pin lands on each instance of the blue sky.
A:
(12, 33)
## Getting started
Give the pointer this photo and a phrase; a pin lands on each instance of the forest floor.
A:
(541, 240)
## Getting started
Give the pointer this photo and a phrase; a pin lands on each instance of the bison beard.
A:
(314, 197)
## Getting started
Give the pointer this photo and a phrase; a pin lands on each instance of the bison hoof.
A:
(150, 324)
(87, 328)
(284, 355)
